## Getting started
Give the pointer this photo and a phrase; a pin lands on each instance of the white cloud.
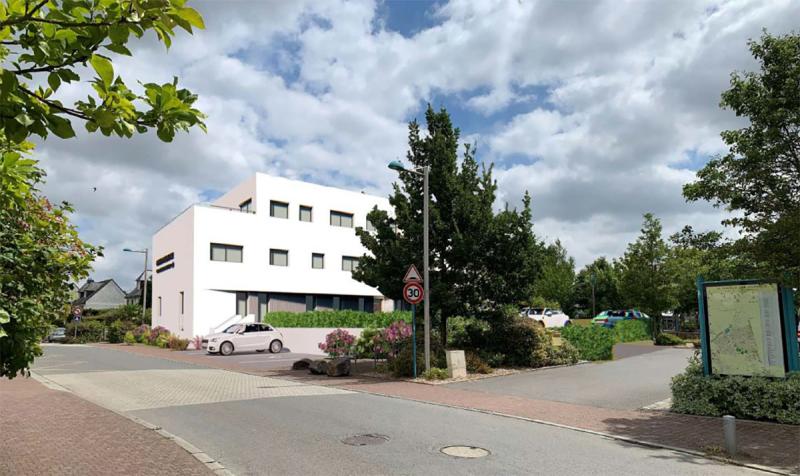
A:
(629, 96)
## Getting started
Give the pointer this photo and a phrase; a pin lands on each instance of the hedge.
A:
(755, 398)
(632, 331)
(592, 342)
(352, 319)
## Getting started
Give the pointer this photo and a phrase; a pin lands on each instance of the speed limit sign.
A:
(413, 293)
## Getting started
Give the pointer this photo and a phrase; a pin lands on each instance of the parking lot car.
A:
(244, 337)
(610, 318)
(59, 334)
(546, 316)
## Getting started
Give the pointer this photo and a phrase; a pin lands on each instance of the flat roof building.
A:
(270, 244)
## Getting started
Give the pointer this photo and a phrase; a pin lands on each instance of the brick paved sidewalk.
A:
(768, 444)
(50, 432)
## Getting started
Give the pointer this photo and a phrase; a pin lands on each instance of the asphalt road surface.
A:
(260, 425)
(626, 384)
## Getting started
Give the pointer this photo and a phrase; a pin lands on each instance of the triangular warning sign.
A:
(412, 275)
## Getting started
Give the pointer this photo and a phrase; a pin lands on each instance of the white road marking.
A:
(665, 404)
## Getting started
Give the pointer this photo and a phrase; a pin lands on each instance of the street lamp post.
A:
(424, 172)
(144, 277)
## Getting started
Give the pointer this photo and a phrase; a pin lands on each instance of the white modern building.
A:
(270, 244)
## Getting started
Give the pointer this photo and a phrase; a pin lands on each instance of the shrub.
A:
(177, 343)
(475, 364)
(524, 341)
(156, 333)
(126, 312)
(365, 346)
(338, 343)
(565, 354)
(467, 333)
(87, 331)
(632, 330)
(400, 364)
(668, 339)
(162, 340)
(117, 329)
(757, 398)
(129, 338)
(142, 333)
(435, 373)
(337, 319)
(592, 342)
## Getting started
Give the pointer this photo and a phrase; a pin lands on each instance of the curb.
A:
(213, 465)
(647, 444)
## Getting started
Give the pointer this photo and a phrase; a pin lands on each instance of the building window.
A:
(229, 253)
(278, 209)
(181, 302)
(317, 260)
(349, 263)
(341, 219)
(246, 206)
(241, 304)
(159, 305)
(279, 257)
(370, 226)
(305, 213)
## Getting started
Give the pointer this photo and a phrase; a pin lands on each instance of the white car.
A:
(244, 337)
(546, 317)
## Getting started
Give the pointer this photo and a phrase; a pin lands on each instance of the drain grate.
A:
(459, 451)
(365, 440)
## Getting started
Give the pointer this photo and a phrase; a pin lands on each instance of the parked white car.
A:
(244, 337)
(546, 316)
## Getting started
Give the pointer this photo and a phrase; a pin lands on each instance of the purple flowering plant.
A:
(338, 343)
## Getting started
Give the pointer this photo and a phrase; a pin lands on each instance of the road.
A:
(260, 425)
(626, 384)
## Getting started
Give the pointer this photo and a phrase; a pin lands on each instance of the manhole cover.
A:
(465, 451)
(365, 440)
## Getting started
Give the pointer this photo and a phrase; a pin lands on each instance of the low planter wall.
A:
(305, 340)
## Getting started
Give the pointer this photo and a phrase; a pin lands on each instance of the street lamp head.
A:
(397, 165)
(127, 249)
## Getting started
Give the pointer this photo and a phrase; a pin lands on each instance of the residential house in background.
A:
(134, 296)
(270, 244)
(99, 295)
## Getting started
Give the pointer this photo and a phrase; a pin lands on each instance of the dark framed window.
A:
(342, 219)
(246, 206)
(181, 302)
(229, 253)
(305, 213)
(349, 263)
(278, 209)
(317, 260)
(278, 257)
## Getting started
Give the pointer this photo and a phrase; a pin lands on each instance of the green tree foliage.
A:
(606, 287)
(644, 281)
(478, 258)
(557, 276)
(43, 45)
(40, 254)
(759, 178)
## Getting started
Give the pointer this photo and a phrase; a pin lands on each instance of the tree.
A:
(759, 177)
(557, 276)
(644, 281)
(478, 258)
(605, 278)
(43, 43)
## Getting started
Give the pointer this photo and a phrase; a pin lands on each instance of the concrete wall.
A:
(175, 237)
(306, 340)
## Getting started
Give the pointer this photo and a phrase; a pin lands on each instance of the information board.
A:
(745, 330)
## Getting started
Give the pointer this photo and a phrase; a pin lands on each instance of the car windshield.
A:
(617, 313)
(232, 329)
(537, 311)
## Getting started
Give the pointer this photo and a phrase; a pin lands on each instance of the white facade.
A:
(193, 293)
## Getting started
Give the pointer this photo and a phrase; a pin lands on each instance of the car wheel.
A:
(567, 324)
(541, 323)
(275, 346)
(226, 348)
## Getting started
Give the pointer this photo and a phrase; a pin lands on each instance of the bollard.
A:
(729, 428)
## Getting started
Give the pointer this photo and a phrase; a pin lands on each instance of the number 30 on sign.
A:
(413, 293)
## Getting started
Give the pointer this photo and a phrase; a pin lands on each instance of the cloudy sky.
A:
(602, 110)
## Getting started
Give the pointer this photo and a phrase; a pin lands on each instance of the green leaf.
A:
(60, 126)
(104, 68)
(24, 119)
(191, 15)
(4, 316)
(116, 48)
(54, 81)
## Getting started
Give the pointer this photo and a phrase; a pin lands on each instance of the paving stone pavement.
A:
(51, 432)
(146, 389)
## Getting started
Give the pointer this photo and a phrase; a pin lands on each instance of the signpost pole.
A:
(425, 279)
(414, 338)
(702, 321)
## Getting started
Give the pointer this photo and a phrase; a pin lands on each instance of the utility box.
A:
(456, 364)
